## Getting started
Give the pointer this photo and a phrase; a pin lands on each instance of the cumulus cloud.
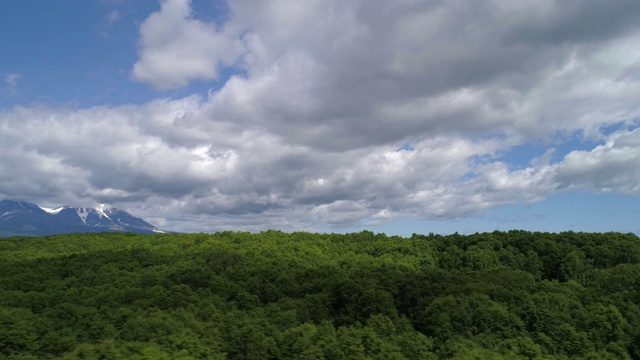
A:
(176, 48)
(613, 166)
(342, 113)
(334, 74)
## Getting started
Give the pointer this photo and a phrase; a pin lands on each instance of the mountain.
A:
(25, 219)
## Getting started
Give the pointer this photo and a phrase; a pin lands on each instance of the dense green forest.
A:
(275, 295)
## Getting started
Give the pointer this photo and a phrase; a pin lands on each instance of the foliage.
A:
(274, 295)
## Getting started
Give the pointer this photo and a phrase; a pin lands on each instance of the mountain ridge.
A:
(20, 218)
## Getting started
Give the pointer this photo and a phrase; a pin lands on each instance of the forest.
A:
(275, 295)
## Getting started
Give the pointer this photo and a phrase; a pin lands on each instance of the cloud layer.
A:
(341, 113)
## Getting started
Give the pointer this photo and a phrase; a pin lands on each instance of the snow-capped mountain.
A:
(22, 218)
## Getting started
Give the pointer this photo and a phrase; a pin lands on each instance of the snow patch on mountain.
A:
(101, 212)
(82, 213)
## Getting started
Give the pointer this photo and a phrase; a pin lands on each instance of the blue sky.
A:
(76, 55)
(330, 116)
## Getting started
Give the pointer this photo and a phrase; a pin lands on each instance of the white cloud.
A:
(341, 212)
(129, 157)
(613, 166)
(176, 48)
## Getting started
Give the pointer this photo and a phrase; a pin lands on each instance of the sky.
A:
(399, 116)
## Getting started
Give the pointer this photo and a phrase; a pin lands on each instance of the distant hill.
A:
(18, 218)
